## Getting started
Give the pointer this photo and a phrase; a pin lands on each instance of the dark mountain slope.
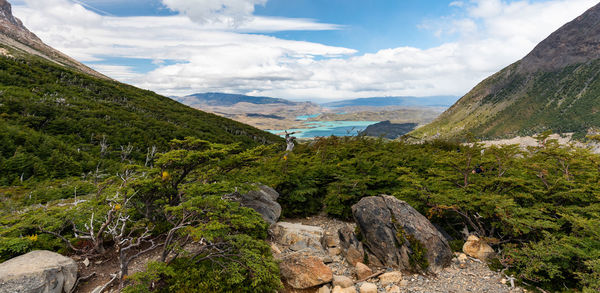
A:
(555, 87)
(221, 99)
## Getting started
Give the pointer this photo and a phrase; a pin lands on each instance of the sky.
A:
(319, 50)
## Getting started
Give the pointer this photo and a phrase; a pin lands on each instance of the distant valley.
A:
(308, 119)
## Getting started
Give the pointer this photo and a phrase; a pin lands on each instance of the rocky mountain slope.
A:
(555, 87)
(15, 35)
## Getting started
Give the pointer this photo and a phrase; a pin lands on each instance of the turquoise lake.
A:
(305, 117)
(328, 128)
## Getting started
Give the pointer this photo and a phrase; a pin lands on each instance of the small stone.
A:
(503, 281)
(362, 271)
(275, 249)
(331, 241)
(86, 262)
(392, 289)
(324, 289)
(462, 258)
(342, 281)
(353, 255)
(338, 289)
(368, 288)
(404, 283)
(333, 251)
(463, 265)
(300, 245)
(478, 248)
(390, 278)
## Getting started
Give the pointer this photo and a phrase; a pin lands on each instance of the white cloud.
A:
(231, 12)
(457, 4)
(212, 56)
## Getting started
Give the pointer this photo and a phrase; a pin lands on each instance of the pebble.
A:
(368, 288)
(342, 281)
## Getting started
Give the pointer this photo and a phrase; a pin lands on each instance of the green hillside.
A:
(556, 87)
(511, 103)
(53, 119)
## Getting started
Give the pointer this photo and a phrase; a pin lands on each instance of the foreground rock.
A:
(390, 278)
(399, 236)
(297, 236)
(368, 288)
(478, 248)
(342, 281)
(38, 271)
(303, 271)
(263, 201)
(362, 271)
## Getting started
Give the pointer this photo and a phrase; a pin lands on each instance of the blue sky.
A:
(368, 26)
(298, 49)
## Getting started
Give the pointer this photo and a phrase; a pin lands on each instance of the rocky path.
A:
(302, 237)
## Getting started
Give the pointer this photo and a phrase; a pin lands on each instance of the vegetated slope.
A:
(45, 104)
(13, 34)
(555, 87)
(435, 101)
(221, 99)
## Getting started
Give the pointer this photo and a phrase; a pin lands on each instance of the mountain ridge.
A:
(224, 99)
(15, 35)
(555, 87)
(433, 101)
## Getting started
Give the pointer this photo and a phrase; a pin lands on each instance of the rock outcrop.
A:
(399, 236)
(263, 201)
(298, 237)
(38, 271)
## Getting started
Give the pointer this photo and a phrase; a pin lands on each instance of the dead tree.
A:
(178, 222)
(126, 151)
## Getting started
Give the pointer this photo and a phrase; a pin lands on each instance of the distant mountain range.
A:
(555, 87)
(221, 99)
(434, 101)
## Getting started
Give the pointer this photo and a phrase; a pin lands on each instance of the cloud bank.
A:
(219, 47)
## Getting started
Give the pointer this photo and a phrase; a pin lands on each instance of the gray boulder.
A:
(39, 271)
(399, 236)
(263, 201)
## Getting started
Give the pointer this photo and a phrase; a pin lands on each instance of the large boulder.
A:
(399, 236)
(303, 271)
(39, 271)
(263, 201)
